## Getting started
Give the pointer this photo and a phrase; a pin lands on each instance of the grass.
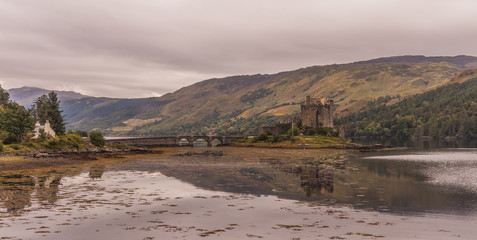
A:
(66, 142)
(12, 159)
(15, 148)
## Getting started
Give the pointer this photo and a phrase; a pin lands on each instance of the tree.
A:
(4, 97)
(16, 121)
(96, 138)
(47, 107)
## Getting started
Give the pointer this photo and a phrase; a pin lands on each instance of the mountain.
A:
(461, 61)
(240, 104)
(448, 111)
(26, 95)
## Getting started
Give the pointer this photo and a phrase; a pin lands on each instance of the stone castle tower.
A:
(317, 112)
(314, 113)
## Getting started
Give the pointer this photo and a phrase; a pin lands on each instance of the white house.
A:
(46, 129)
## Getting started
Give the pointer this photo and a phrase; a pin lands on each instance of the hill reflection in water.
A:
(383, 182)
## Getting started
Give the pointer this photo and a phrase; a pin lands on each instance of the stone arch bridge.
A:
(173, 140)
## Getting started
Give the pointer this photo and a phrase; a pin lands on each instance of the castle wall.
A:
(277, 130)
(325, 116)
(317, 113)
(309, 118)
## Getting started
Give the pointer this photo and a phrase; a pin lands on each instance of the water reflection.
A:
(96, 171)
(396, 186)
(200, 143)
(420, 143)
(313, 180)
(17, 191)
(382, 182)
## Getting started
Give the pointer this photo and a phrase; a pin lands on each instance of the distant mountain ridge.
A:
(26, 95)
(240, 104)
(460, 61)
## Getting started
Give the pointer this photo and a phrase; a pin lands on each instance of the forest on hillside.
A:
(450, 110)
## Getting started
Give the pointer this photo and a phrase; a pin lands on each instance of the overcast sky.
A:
(142, 48)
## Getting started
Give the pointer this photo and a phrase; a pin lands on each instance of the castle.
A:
(314, 113)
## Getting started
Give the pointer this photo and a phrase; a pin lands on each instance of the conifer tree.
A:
(47, 107)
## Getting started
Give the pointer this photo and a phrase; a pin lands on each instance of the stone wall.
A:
(277, 130)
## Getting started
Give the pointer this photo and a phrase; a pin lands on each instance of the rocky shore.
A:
(36, 159)
(31, 160)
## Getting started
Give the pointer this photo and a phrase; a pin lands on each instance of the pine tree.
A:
(47, 107)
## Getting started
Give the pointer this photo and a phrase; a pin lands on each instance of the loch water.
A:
(195, 191)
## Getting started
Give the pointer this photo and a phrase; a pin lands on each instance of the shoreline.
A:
(48, 159)
(24, 161)
(352, 146)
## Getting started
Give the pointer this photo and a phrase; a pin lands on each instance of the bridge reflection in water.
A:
(174, 140)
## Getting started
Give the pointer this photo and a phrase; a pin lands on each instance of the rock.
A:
(205, 153)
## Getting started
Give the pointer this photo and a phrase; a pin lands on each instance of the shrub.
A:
(96, 138)
(283, 137)
(72, 141)
(294, 131)
(15, 147)
(53, 143)
(10, 139)
(81, 133)
(28, 144)
(261, 137)
(1, 147)
(42, 136)
(3, 135)
(272, 139)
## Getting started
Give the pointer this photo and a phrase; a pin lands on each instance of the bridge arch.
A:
(200, 142)
(183, 142)
(215, 142)
(171, 140)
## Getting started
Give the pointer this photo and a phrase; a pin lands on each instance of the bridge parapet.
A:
(172, 140)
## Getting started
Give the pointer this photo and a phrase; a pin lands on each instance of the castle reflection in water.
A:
(314, 179)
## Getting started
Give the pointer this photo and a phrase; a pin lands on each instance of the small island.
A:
(313, 127)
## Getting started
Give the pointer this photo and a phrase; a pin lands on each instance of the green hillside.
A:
(240, 104)
(450, 110)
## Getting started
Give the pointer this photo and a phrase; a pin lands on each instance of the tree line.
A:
(18, 122)
(448, 111)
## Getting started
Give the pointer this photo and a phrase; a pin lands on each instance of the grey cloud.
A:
(142, 48)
